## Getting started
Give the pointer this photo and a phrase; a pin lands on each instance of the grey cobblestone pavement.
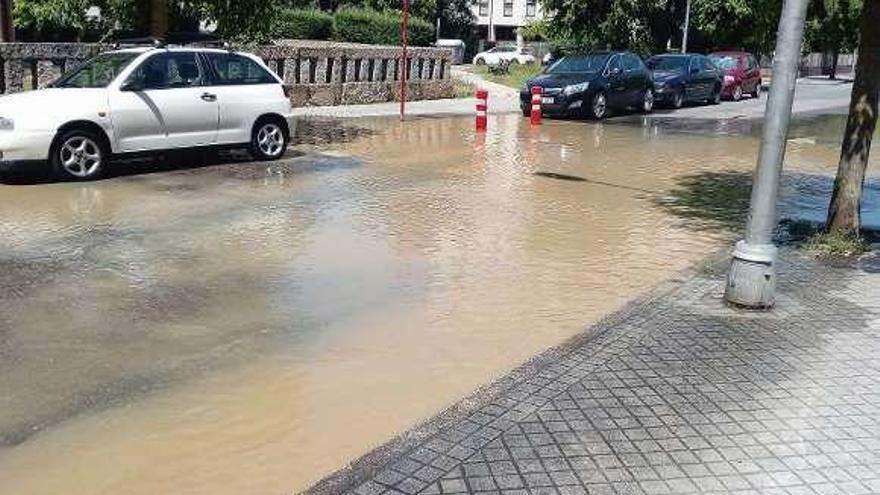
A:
(676, 393)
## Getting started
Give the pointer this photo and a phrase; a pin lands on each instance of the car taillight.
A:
(288, 90)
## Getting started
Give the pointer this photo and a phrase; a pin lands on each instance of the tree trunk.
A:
(834, 56)
(153, 18)
(843, 213)
(7, 28)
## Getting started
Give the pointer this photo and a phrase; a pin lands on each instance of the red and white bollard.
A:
(482, 106)
(535, 114)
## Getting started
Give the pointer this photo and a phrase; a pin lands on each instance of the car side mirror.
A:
(132, 85)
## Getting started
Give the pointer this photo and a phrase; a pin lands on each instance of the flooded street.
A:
(251, 327)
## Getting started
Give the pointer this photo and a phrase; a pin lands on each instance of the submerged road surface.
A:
(251, 327)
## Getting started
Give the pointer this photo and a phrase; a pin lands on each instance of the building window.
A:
(484, 7)
(508, 8)
(531, 7)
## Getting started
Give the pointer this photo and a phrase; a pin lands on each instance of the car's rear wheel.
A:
(268, 140)
(678, 98)
(598, 109)
(480, 61)
(715, 99)
(757, 92)
(737, 93)
(647, 101)
(78, 155)
(526, 110)
(513, 61)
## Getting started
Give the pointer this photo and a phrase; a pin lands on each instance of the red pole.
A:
(535, 114)
(404, 66)
(482, 107)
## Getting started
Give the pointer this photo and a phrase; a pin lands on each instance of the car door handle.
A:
(209, 96)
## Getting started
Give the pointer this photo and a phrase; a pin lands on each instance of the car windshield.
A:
(97, 72)
(672, 64)
(578, 63)
(724, 61)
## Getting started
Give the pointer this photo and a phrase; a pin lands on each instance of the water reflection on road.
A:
(249, 328)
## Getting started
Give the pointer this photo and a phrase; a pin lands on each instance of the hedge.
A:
(378, 28)
(305, 24)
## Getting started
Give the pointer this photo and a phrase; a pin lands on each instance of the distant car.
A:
(684, 78)
(589, 85)
(144, 100)
(741, 71)
(510, 54)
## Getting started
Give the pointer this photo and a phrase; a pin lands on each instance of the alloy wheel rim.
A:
(599, 105)
(270, 140)
(737, 93)
(677, 99)
(80, 156)
(648, 101)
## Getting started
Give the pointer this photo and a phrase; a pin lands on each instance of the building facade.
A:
(498, 20)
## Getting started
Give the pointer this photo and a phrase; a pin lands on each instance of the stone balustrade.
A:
(321, 73)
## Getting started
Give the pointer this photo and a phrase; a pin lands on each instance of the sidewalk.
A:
(676, 393)
(502, 99)
(814, 95)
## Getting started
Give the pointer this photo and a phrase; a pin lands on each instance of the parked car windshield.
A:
(578, 63)
(724, 61)
(672, 64)
(97, 72)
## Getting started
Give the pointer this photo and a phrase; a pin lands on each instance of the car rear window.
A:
(724, 61)
(230, 68)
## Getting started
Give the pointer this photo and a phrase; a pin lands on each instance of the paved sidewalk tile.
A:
(680, 394)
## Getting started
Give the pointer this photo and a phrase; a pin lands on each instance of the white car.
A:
(147, 99)
(500, 54)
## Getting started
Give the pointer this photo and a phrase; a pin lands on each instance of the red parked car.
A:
(742, 74)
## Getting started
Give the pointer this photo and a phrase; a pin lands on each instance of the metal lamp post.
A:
(751, 281)
(687, 22)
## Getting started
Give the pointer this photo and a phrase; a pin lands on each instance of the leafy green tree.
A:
(833, 27)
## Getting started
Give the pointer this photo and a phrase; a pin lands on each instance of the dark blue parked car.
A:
(590, 84)
(684, 78)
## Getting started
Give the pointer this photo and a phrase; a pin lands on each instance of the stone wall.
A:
(321, 73)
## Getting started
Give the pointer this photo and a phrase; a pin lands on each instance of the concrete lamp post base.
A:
(751, 281)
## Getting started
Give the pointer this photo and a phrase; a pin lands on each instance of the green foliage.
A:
(381, 28)
(833, 25)
(423, 9)
(535, 30)
(306, 24)
(516, 77)
(836, 244)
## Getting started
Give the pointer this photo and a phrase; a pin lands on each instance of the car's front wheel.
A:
(757, 92)
(647, 101)
(78, 155)
(598, 108)
(268, 140)
(678, 98)
(737, 93)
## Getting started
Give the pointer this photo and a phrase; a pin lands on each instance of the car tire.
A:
(513, 61)
(598, 108)
(715, 99)
(479, 61)
(269, 139)
(737, 93)
(79, 154)
(647, 105)
(677, 100)
(526, 111)
(757, 92)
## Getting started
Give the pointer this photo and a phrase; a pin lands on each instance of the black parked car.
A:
(591, 84)
(683, 78)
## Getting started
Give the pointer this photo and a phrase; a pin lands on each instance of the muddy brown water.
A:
(250, 328)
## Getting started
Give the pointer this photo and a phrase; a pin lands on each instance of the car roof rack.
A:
(176, 39)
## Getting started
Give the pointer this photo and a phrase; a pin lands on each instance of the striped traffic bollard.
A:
(535, 114)
(482, 106)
